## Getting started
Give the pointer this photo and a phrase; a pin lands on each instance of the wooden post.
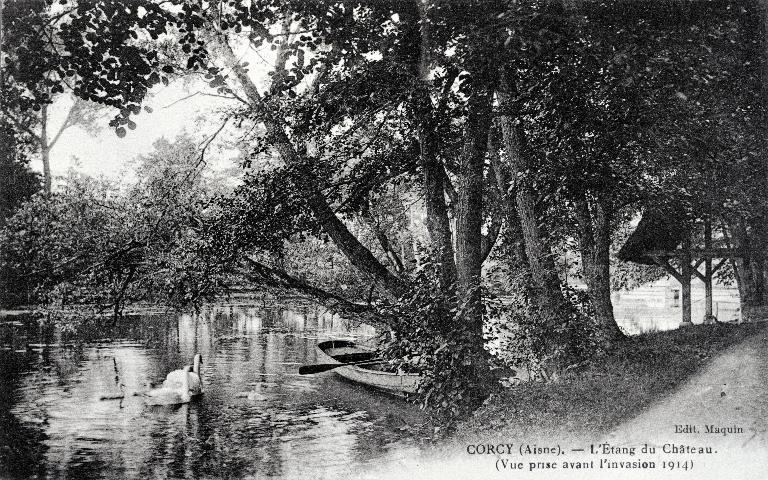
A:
(684, 278)
(685, 282)
(708, 317)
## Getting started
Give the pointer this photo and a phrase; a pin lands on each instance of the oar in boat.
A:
(324, 367)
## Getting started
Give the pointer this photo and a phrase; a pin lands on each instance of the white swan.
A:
(170, 395)
(195, 382)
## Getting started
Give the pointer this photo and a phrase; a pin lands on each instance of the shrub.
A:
(428, 336)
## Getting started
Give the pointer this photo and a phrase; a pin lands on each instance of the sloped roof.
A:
(657, 230)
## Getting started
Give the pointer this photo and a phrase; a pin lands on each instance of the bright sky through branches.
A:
(103, 153)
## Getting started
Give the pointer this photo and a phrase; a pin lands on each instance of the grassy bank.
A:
(610, 389)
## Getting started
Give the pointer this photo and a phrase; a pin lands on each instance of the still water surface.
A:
(257, 418)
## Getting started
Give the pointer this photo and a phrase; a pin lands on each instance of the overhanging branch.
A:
(272, 277)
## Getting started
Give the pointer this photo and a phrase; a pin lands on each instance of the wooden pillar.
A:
(708, 317)
(684, 277)
(685, 282)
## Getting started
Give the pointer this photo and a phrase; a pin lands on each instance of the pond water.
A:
(257, 418)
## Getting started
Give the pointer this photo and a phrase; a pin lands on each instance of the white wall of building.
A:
(657, 306)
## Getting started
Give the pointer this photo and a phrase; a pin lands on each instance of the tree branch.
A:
(698, 274)
(719, 264)
(662, 262)
(304, 178)
(489, 240)
(66, 124)
(394, 258)
(19, 124)
(272, 277)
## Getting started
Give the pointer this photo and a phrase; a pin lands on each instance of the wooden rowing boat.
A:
(345, 351)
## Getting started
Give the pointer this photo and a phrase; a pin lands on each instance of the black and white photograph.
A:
(384, 239)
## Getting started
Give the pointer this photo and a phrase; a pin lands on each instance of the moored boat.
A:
(345, 352)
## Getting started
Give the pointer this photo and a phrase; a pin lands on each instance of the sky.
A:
(103, 153)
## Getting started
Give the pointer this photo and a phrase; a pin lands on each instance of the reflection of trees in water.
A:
(199, 440)
(22, 447)
(163, 331)
(236, 441)
(90, 462)
(63, 362)
(19, 330)
(245, 349)
(173, 438)
(220, 439)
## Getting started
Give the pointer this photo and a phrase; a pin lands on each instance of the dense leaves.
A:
(17, 181)
(95, 245)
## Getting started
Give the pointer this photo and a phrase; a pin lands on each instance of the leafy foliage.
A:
(429, 337)
(17, 181)
(92, 245)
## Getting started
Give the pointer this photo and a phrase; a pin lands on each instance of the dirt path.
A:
(730, 393)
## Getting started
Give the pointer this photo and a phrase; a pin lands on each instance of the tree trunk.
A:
(762, 312)
(753, 237)
(45, 149)
(595, 246)
(381, 236)
(358, 255)
(469, 223)
(515, 231)
(305, 180)
(549, 301)
(469, 210)
(750, 277)
(685, 282)
(708, 316)
(437, 221)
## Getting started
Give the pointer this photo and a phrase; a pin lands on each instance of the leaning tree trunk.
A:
(595, 245)
(356, 252)
(381, 236)
(305, 180)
